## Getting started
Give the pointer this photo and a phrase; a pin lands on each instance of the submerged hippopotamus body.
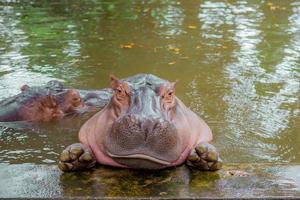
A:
(145, 126)
(49, 102)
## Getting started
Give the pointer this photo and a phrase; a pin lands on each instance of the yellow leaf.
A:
(184, 57)
(192, 27)
(127, 46)
(171, 63)
(174, 49)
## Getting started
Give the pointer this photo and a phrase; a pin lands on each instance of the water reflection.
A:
(252, 117)
(273, 109)
(243, 73)
(37, 143)
(168, 18)
(13, 63)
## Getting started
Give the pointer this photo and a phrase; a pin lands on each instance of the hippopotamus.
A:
(143, 126)
(49, 102)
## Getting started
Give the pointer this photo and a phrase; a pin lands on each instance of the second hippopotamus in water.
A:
(145, 126)
(50, 102)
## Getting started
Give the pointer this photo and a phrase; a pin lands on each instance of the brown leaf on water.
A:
(273, 7)
(127, 46)
(174, 49)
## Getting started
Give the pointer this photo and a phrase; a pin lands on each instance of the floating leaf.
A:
(192, 27)
(127, 46)
(184, 57)
(174, 49)
(171, 63)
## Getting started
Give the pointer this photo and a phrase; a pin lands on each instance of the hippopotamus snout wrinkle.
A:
(151, 139)
(145, 125)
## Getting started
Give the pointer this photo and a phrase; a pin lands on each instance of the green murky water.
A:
(237, 62)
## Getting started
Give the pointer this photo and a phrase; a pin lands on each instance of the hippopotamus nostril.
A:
(132, 119)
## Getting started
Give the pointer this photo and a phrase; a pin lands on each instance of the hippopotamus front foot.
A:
(76, 157)
(204, 157)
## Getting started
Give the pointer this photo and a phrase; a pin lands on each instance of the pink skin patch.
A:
(103, 158)
(182, 157)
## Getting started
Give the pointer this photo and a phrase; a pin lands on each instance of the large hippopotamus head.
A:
(143, 133)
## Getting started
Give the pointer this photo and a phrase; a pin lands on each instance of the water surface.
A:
(237, 63)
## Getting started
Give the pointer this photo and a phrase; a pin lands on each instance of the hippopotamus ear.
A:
(117, 84)
(173, 85)
(167, 88)
(24, 88)
(114, 82)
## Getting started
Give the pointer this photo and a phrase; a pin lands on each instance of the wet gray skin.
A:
(39, 99)
(144, 136)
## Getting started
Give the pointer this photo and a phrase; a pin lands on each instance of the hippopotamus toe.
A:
(205, 157)
(76, 157)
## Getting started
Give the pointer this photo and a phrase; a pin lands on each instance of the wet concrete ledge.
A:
(154, 198)
(263, 181)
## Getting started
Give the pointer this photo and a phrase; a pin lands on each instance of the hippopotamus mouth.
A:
(137, 142)
(140, 161)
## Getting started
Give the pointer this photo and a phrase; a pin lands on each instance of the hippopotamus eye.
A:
(76, 99)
